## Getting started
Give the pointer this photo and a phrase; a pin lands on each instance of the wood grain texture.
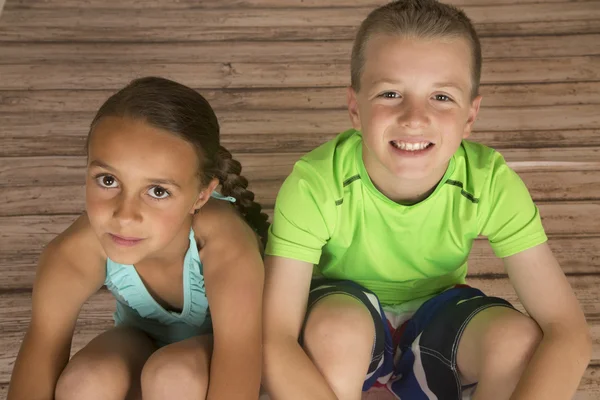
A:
(328, 23)
(300, 98)
(247, 4)
(275, 71)
(560, 52)
(227, 75)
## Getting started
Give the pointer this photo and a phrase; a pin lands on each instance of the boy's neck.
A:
(404, 191)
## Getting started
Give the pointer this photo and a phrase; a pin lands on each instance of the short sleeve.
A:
(304, 216)
(508, 216)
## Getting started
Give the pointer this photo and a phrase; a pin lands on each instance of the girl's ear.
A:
(205, 195)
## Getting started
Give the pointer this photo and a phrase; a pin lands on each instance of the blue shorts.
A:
(416, 360)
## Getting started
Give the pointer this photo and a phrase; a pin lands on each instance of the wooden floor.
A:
(276, 71)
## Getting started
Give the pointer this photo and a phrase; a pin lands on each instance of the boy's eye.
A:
(106, 181)
(390, 95)
(442, 97)
(158, 192)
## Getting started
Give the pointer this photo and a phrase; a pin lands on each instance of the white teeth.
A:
(410, 146)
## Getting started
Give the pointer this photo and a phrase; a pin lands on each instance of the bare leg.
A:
(108, 368)
(495, 349)
(338, 338)
(179, 370)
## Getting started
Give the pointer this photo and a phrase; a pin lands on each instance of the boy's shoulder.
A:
(333, 161)
(481, 169)
(476, 155)
(476, 162)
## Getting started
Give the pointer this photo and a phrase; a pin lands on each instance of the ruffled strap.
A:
(199, 311)
(219, 196)
(129, 290)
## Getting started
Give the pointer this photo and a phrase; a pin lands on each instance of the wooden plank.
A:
(24, 143)
(229, 4)
(96, 315)
(95, 76)
(269, 51)
(83, 18)
(576, 256)
(115, 75)
(540, 138)
(335, 23)
(311, 98)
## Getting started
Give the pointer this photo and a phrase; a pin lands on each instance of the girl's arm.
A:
(234, 274)
(61, 286)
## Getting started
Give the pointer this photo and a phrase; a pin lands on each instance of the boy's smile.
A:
(414, 107)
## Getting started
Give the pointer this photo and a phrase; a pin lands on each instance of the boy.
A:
(386, 213)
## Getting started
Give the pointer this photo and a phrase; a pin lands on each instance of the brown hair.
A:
(182, 111)
(418, 19)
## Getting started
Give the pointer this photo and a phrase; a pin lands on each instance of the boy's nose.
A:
(413, 116)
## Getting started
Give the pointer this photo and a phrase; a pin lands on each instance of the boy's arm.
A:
(289, 373)
(234, 276)
(559, 362)
(60, 288)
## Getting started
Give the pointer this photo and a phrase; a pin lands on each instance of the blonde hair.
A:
(416, 19)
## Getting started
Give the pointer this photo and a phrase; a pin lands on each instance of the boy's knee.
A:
(170, 374)
(511, 346)
(339, 329)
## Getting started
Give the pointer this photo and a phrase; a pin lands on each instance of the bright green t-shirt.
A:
(329, 213)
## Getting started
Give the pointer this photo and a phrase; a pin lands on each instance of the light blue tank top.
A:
(137, 308)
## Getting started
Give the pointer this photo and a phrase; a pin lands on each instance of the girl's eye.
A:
(158, 193)
(107, 181)
(390, 95)
(442, 97)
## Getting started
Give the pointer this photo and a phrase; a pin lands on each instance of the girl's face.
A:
(142, 187)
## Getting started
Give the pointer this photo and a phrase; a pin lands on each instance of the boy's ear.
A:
(353, 109)
(204, 195)
(473, 111)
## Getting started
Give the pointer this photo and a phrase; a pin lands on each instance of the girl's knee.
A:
(174, 373)
(82, 379)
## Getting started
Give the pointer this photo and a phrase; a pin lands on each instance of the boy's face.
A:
(414, 106)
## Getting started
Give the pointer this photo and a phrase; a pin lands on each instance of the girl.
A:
(168, 246)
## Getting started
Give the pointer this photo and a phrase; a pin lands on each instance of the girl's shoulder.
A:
(78, 249)
(218, 222)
